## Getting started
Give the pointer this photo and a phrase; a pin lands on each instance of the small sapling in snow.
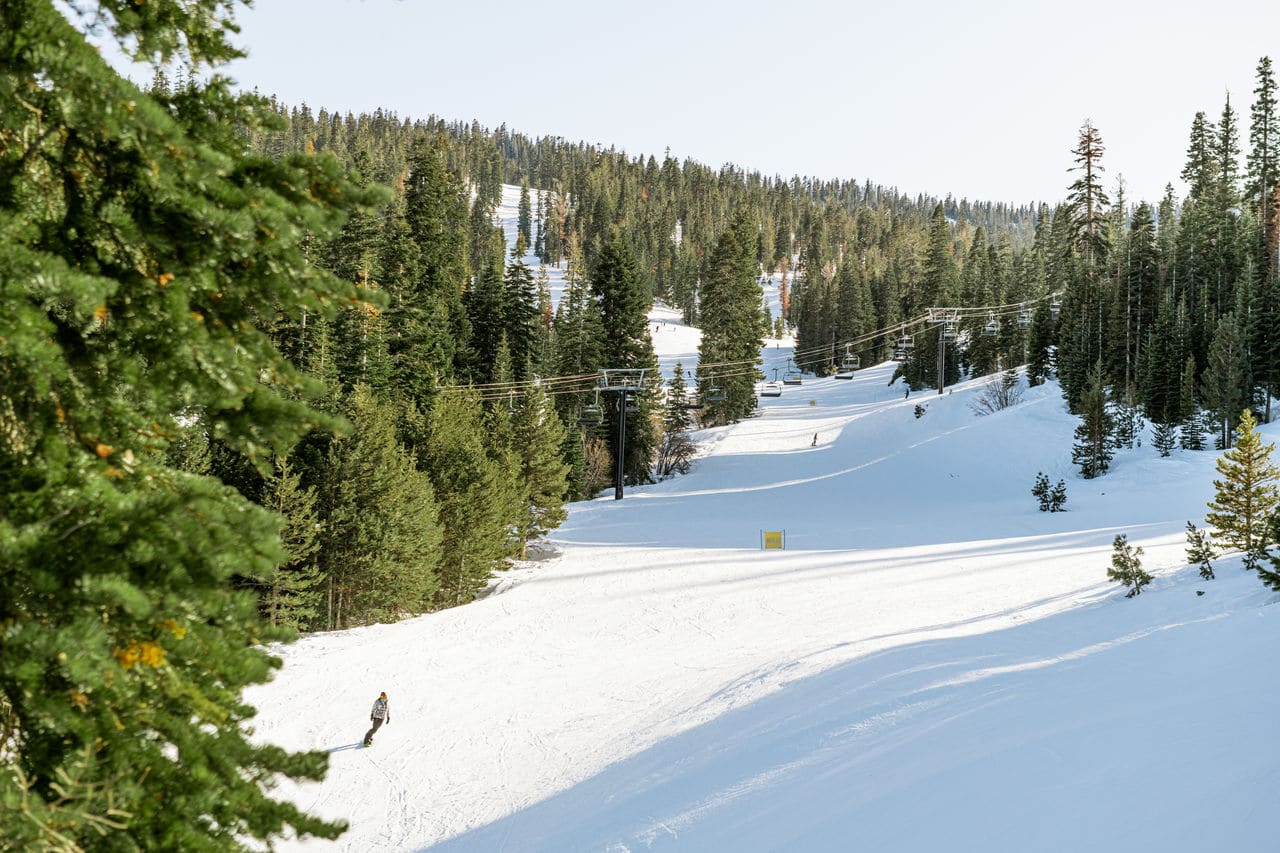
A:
(1126, 566)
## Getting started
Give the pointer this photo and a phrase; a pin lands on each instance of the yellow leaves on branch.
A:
(176, 629)
(146, 652)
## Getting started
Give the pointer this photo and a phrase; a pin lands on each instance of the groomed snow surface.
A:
(931, 663)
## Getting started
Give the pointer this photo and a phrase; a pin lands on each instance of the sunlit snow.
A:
(930, 664)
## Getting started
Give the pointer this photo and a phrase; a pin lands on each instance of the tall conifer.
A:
(732, 325)
(1092, 450)
(140, 244)
(1246, 495)
(540, 436)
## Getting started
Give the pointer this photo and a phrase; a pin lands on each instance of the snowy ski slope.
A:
(931, 664)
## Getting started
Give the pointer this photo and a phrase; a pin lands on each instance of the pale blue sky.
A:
(981, 99)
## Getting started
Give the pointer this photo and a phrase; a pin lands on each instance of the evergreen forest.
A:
(268, 369)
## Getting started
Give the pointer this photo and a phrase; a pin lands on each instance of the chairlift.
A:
(591, 414)
(899, 353)
(848, 364)
(1055, 307)
(948, 331)
(792, 376)
(771, 389)
(907, 343)
(1024, 318)
(714, 395)
(632, 406)
(991, 326)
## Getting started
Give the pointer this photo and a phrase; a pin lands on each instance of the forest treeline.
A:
(472, 398)
(480, 394)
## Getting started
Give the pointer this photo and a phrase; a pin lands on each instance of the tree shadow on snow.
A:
(997, 741)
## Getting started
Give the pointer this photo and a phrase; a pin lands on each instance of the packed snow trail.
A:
(927, 637)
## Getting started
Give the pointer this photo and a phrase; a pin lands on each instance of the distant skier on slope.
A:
(381, 713)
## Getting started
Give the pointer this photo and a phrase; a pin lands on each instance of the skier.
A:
(381, 713)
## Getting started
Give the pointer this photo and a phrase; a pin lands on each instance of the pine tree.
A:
(1246, 495)
(539, 436)
(574, 454)
(731, 325)
(1264, 163)
(1086, 199)
(140, 246)
(1164, 438)
(624, 320)
(510, 498)
(1141, 283)
(436, 223)
(1040, 491)
(486, 307)
(520, 313)
(380, 544)
(524, 216)
(1040, 346)
(291, 596)
(1200, 550)
(676, 450)
(1092, 451)
(1264, 345)
(1270, 574)
(1058, 497)
(1222, 385)
(1162, 365)
(1126, 416)
(1126, 566)
(1191, 426)
(473, 499)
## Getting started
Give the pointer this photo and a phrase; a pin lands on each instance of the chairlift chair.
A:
(991, 326)
(907, 343)
(714, 395)
(771, 389)
(1055, 307)
(948, 331)
(591, 414)
(1024, 318)
(848, 365)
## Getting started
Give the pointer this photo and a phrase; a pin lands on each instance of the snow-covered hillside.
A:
(930, 664)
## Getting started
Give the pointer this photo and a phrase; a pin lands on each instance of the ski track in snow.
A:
(928, 637)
